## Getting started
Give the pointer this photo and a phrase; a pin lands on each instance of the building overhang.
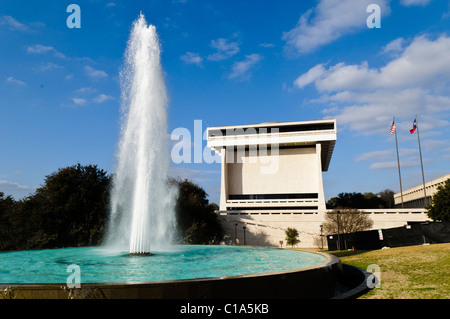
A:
(286, 134)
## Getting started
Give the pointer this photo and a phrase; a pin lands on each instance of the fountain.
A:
(143, 220)
(142, 202)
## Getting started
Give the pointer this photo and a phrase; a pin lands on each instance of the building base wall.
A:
(267, 228)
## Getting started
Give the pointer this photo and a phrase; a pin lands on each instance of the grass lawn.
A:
(412, 272)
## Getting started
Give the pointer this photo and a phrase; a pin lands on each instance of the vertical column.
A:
(321, 195)
(223, 180)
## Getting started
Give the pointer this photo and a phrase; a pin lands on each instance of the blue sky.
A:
(229, 63)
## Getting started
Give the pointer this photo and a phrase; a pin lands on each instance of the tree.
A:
(439, 209)
(7, 206)
(349, 200)
(388, 197)
(74, 205)
(196, 218)
(350, 220)
(70, 209)
(361, 201)
(372, 200)
(318, 242)
(346, 221)
(292, 236)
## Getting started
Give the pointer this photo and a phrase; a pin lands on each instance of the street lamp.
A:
(338, 238)
(321, 236)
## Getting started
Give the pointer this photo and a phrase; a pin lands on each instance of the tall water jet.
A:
(142, 202)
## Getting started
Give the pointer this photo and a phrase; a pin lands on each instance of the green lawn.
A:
(412, 272)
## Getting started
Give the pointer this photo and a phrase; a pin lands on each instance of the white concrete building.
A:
(272, 166)
(414, 196)
(271, 179)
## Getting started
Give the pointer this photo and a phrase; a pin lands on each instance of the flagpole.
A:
(398, 162)
(421, 165)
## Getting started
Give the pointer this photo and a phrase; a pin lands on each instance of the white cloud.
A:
(241, 69)
(384, 155)
(95, 74)
(13, 25)
(86, 89)
(366, 98)
(327, 22)
(266, 45)
(409, 3)
(15, 189)
(404, 163)
(40, 49)
(79, 101)
(43, 67)
(13, 184)
(225, 49)
(394, 46)
(192, 58)
(309, 77)
(430, 145)
(406, 71)
(102, 98)
(15, 81)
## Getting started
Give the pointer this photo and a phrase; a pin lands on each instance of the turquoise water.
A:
(100, 265)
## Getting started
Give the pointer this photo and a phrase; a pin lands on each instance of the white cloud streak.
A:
(13, 25)
(327, 22)
(242, 70)
(98, 99)
(394, 46)
(7, 185)
(366, 98)
(409, 3)
(95, 74)
(192, 58)
(15, 81)
(41, 49)
(384, 155)
(49, 66)
(225, 49)
(102, 98)
(79, 101)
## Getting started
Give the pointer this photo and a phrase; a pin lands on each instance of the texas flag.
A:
(414, 127)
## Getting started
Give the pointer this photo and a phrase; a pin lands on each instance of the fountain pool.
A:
(100, 265)
(182, 272)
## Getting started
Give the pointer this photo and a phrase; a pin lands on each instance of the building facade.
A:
(271, 179)
(273, 166)
(414, 197)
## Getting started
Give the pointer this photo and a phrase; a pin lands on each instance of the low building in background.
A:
(414, 197)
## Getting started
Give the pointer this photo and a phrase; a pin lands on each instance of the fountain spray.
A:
(142, 201)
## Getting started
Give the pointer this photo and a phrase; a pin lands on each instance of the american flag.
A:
(392, 127)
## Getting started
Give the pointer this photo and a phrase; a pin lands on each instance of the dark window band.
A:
(275, 208)
(272, 196)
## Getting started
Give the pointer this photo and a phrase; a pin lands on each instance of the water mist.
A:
(142, 202)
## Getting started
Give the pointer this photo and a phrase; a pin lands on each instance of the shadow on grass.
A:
(345, 253)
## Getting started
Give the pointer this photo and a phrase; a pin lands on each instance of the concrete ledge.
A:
(314, 282)
(352, 284)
